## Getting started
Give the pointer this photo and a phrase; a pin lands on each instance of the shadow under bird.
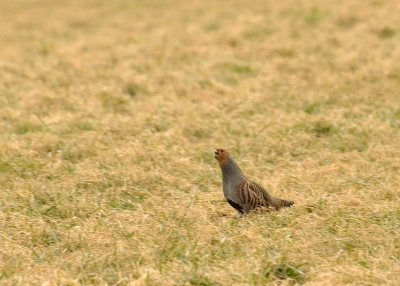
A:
(241, 193)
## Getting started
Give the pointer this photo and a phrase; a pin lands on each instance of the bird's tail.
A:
(285, 203)
(279, 203)
(271, 201)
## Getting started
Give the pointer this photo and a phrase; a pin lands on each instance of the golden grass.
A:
(110, 110)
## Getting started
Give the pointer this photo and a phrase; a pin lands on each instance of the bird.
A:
(241, 193)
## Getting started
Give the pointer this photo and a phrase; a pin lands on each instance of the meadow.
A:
(110, 111)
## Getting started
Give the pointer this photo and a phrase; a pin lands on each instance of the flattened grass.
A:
(109, 112)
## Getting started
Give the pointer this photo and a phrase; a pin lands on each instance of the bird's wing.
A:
(250, 195)
(267, 197)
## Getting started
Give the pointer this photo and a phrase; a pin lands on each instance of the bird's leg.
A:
(239, 214)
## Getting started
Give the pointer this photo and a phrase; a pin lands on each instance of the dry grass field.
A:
(110, 110)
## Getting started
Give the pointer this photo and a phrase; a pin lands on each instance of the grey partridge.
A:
(241, 193)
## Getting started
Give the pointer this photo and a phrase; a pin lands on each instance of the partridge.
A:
(241, 193)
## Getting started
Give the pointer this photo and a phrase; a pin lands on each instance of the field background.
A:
(110, 110)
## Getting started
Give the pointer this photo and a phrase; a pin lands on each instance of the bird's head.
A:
(221, 155)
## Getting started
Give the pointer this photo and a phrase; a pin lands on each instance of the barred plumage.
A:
(241, 193)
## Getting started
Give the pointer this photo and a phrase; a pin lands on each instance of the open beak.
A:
(215, 153)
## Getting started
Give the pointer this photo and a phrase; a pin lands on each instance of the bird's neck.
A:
(230, 168)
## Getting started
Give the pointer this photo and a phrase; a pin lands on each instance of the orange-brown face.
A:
(221, 155)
